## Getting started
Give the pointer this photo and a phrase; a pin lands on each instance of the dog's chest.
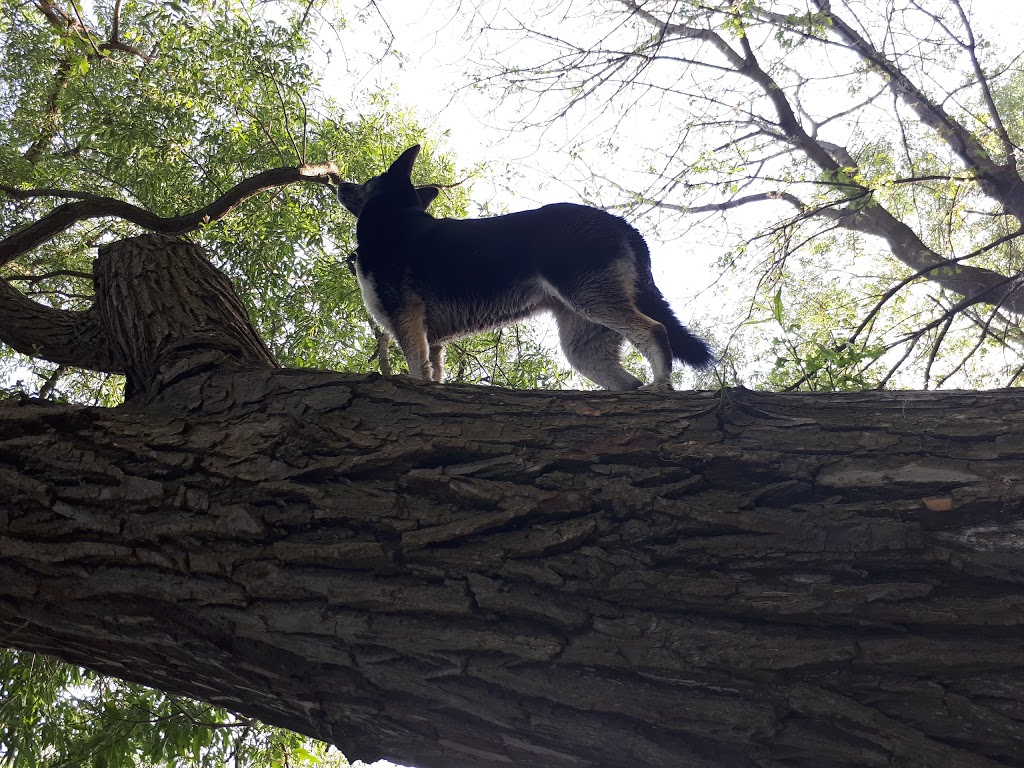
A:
(372, 299)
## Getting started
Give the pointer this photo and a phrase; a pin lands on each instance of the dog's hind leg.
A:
(608, 299)
(647, 335)
(593, 351)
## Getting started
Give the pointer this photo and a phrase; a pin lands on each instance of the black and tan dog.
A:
(428, 280)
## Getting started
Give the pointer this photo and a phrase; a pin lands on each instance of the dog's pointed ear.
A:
(427, 194)
(405, 162)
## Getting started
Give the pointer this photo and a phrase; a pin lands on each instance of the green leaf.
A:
(777, 306)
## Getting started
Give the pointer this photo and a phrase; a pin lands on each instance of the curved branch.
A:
(967, 281)
(60, 336)
(64, 216)
(1001, 181)
(926, 273)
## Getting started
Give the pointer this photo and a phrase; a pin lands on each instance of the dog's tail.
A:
(686, 347)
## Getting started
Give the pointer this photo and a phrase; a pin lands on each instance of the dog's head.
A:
(393, 186)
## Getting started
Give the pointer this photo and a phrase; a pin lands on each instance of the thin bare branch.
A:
(32, 279)
(1000, 181)
(970, 45)
(945, 264)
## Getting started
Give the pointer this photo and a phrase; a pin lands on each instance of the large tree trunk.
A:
(456, 577)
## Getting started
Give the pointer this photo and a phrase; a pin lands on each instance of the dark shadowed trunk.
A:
(457, 577)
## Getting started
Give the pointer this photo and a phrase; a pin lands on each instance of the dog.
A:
(427, 280)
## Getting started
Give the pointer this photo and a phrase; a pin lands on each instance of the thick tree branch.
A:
(465, 577)
(1000, 181)
(171, 314)
(161, 313)
(60, 336)
(92, 207)
(58, 19)
(968, 281)
(61, 21)
(973, 283)
(951, 264)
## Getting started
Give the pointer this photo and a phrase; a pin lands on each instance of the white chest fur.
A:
(372, 301)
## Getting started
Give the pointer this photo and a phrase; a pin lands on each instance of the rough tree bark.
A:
(452, 576)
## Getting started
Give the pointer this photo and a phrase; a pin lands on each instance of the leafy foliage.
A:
(190, 101)
(55, 714)
(167, 106)
(862, 158)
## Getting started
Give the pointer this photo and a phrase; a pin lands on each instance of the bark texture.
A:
(467, 577)
(456, 576)
(162, 313)
(169, 313)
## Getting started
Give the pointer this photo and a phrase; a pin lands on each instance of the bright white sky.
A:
(435, 37)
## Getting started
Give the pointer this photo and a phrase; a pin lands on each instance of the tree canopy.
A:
(860, 160)
(199, 98)
(857, 161)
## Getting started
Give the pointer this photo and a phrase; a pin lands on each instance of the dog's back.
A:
(479, 273)
(447, 278)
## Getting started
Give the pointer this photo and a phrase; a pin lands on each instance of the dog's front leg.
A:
(437, 361)
(411, 335)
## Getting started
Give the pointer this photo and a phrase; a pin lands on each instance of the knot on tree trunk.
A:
(169, 314)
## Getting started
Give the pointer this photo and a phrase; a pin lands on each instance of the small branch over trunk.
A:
(64, 216)
(169, 313)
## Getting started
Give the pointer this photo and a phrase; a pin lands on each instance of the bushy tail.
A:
(686, 347)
